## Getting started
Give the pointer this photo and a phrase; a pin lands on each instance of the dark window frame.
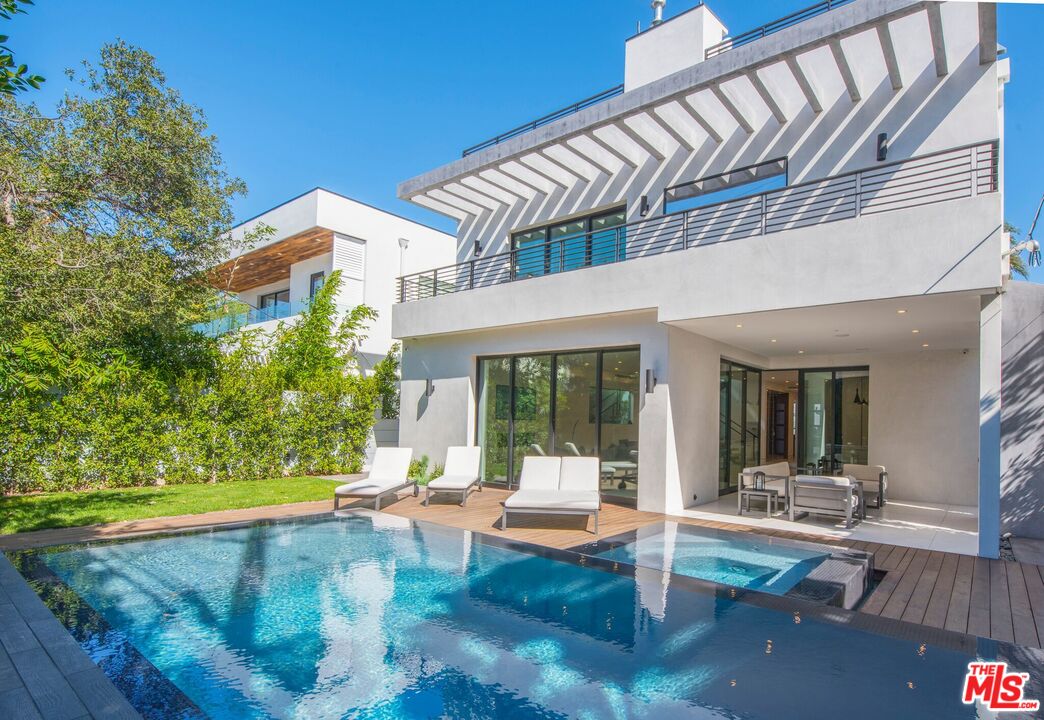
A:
(545, 230)
(312, 289)
(667, 190)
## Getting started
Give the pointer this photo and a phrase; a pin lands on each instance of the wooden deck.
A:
(990, 598)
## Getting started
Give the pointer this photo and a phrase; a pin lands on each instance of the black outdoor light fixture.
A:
(882, 147)
(650, 380)
(477, 250)
(643, 206)
(429, 387)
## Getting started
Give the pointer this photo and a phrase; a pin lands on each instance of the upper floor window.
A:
(713, 189)
(571, 244)
(274, 305)
(315, 282)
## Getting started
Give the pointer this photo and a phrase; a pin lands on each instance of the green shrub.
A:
(419, 470)
(293, 402)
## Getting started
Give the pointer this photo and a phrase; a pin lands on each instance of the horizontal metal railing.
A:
(544, 120)
(775, 26)
(936, 177)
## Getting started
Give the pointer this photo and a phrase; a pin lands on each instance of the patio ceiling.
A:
(271, 263)
(838, 57)
(943, 322)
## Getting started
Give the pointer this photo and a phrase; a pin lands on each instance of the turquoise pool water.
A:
(729, 558)
(374, 617)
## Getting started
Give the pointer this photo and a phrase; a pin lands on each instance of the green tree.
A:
(14, 77)
(1015, 261)
(111, 212)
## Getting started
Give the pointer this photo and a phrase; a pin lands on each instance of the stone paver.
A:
(44, 674)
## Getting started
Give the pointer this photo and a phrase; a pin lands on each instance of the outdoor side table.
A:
(771, 496)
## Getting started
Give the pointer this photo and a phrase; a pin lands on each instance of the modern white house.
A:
(777, 245)
(311, 236)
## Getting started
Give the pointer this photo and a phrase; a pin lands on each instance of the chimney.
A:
(670, 45)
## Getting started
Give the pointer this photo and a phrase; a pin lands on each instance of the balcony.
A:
(944, 176)
(235, 321)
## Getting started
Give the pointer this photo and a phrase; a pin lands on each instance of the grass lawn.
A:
(72, 509)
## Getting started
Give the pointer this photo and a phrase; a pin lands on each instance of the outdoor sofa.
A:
(556, 486)
(824, 495)
(873, 477)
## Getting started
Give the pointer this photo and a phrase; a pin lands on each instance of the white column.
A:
(989, 425)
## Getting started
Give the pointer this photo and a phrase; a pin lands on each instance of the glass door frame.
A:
(731, 488)
(599, 353)
(838, 399)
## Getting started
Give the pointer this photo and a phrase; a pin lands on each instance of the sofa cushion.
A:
(553, 500)
(540, 472)
(863, 472)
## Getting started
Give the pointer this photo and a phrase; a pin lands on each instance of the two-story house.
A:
(783, 244)
(307, 238)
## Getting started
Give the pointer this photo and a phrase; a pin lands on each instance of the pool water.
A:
(729, 558)
(376, 617)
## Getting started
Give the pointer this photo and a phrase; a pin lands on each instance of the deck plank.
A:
(917, 605)
(960, 599)
(1022, 621)
(904, 589)
(1034, 577)
(1001, 626)
(979, 605)
(939, 603)
(880, 596)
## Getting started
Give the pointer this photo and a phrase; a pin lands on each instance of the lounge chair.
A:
(824, 495)
(873, 477)
(556, 486)
(461, 474)
(388, 475)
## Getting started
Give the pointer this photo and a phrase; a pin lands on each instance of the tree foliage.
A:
(111, 214)
(1015, 261)
(14, 77)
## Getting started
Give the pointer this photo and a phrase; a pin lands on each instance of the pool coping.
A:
(799, 608)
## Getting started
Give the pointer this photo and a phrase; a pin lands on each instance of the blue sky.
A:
(357, 96)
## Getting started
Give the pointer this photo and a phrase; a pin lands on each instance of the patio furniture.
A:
(556, 486)
(873, 477)
(460, 474)
(825, 495)
(388, 475)
(777, 477)
(771, 496)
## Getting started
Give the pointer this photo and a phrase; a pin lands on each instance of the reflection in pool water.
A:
(371, 616)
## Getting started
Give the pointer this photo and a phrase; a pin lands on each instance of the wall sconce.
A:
(477, 249)
(650, 380)
(643, 206)
(882, 147)
(429, 387)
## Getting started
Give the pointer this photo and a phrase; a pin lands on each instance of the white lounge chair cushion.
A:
(464, 461)
(390, 464)
(453, 482)
(540, 473)
(552, 500)
(579, 473)
(368, 487)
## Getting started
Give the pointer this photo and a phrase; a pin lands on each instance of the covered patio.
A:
(892, 383)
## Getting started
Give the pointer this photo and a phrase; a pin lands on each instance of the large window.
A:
(583, 403)
(592, 240)
(835, 414)
(274, 306)
(739, 436)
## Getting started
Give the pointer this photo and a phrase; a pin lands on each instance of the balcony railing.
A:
(227, 323)
(936, 177)
(773, 27)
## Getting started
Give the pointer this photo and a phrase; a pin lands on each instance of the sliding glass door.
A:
(834, 418)
(739, 439)
(582, 403)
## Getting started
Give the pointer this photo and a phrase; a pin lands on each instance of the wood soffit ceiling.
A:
(271, 263)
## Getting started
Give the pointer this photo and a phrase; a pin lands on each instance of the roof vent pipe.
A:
(657, 7)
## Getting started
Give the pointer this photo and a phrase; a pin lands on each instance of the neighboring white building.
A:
(314, 234)
(778, 245)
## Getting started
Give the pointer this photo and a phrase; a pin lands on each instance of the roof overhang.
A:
(271, 263)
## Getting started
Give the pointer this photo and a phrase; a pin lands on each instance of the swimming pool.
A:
(373, 616)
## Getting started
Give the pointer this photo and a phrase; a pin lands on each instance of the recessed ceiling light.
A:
(773, 339)
(773, 377)
(801, 352)
(924, 344)
(915, 331)
(739, 324)
(901, 311)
